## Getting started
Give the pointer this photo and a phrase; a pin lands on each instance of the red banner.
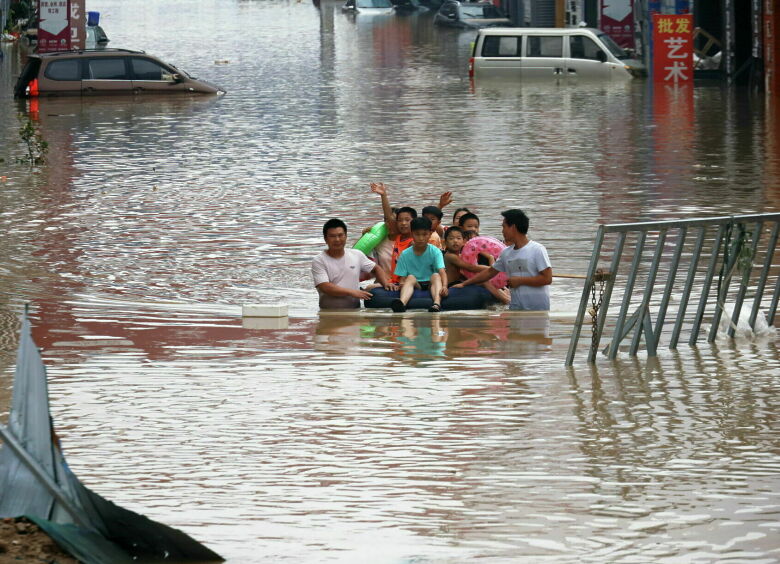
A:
(673, 48)
(53, 25)
(617, 21)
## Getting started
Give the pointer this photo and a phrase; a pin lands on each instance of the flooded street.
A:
(375, 437)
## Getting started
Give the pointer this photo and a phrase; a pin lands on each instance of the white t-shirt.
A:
(529, 260)
(344, 272)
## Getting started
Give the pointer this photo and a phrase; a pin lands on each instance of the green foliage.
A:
(34, 143)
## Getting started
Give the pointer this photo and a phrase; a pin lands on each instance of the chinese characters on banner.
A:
(53, 25)
(673, 48)
(617, 21)
(78, 25)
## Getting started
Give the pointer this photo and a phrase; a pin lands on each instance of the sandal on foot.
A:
(435, 308)
(397, 306)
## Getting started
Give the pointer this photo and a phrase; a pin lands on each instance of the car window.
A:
(144, 69)
(472, 12)
(498, 46)
(107, 68)
(544, 46)
(581, 47)
(67, 69)
(374, 4)
(613, 47)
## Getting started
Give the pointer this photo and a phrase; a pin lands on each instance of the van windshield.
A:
(613, 47)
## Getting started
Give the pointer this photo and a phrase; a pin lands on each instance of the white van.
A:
(529, 53)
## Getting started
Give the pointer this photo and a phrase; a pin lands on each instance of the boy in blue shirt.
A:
(421, 266)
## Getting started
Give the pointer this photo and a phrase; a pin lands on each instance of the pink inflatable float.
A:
(488, 245)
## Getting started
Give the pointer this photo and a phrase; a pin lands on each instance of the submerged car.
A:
(105, 71)
(470, 15)
(368, 7)
(408, 6)
(526, 53)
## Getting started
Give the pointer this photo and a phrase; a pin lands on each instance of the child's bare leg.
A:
(436, 288)
(408, 289)
(500, 295)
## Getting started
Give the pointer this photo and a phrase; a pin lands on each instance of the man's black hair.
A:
(333, 224)
(467, 216)
(457, 211)
(433, 210)
(454, 229)
(517, 218)
(406, 209)
(420, 223)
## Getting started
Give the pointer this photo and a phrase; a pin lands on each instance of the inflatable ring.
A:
(489, 245)
(376, 235)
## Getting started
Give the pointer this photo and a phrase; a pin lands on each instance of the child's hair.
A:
(457, 211)
(433, 210)
(454, 229)
(421, 224)
(406, 209)
(333, 224)
(517, 218)
(469, 234)
(466, 217)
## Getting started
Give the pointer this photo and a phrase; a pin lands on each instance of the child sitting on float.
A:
(421, 267)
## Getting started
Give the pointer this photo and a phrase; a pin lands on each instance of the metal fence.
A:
(704, 252)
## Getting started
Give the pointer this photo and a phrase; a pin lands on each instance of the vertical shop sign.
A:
(617, 21)
(78, 29)
(673, 48)
(771, 49)
(53, 25)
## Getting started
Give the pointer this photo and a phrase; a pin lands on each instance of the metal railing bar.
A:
(657, 225)
(707, 286)
(695, 256)
(651, 276)
(761, 284)
(659, 323)
(773, 304)
(722, 292)
(613, 349)
(745, 280)
(602, 319)
(590, 280)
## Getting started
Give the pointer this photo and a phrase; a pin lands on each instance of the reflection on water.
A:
(372, 436)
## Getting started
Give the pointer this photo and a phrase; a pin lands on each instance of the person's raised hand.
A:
(445, 199)
(379, 188)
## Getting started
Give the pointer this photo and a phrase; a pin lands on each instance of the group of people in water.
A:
(411, 252)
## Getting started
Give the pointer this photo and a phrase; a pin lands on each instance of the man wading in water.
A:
(525, 263)
(336, 270)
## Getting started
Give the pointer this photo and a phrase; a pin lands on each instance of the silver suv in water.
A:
(104, 71)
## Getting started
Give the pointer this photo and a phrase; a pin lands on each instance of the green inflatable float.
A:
(371, 239)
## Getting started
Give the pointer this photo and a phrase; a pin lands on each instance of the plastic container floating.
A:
(93, 18)
(264, 310)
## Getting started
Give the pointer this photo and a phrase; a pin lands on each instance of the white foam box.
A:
(264, 310)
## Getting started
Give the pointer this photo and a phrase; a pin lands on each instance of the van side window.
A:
(581, 47)
(497, 46)
(107, 68)
(144, 69)
(67, 69)
(544, 46)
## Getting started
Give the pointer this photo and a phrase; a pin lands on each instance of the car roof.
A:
(90, 52)
(537, 30)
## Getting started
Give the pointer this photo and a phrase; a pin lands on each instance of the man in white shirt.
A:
(336, 270)
(526, 265)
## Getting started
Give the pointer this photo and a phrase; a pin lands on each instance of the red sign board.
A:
(673, 48)
(78, 24)
(617, 21)
(53, 25)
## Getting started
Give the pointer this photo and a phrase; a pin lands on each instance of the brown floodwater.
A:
(374, 437)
